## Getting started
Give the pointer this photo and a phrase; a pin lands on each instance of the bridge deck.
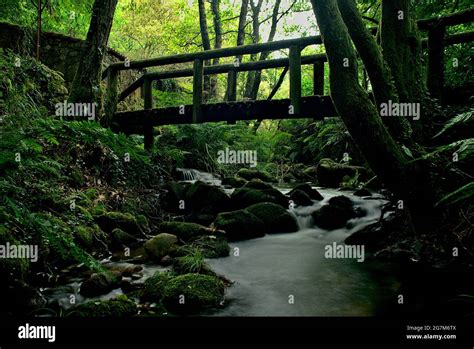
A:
(314, 107)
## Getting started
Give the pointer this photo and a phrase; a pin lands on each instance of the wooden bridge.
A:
(316, 106)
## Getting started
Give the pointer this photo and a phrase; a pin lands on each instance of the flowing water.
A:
(286, 274)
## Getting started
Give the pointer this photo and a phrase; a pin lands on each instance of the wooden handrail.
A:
(460, 17)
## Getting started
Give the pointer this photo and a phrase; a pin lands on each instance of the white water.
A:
(191, 175)
(271, 271)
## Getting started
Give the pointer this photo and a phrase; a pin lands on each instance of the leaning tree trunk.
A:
(407, 180)
(215, 5)
(86, 84)
(379, 73)
(206, 43)
(255, 39)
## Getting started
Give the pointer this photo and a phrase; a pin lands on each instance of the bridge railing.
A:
(294, 62)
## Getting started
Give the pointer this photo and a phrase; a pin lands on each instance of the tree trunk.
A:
(206, 44)
(379, 73)
(407, 180)
(215, 5)
(264, 55)
(402, 49)
(86, 85)
(255, 39)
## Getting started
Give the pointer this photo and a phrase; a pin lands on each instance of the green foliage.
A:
(462, 120)
(191, 262)
(463, 194)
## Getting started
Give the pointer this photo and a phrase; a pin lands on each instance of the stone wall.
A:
(59, 52)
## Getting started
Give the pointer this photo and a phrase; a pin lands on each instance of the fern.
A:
(459, 120)
(459, 195)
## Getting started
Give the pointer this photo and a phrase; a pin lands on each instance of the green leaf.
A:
(461, 194)
(458, 120)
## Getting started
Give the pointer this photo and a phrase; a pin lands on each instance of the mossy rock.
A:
(240, 225)
(212, 246)
(143, 222)
(249, 174)
(257, 184)
(306, 188)
(84, 236)
(125, 221)
(187, 231)
(331, 174)
(120, 238)
(175, 192)
(335, 214)
(300, 198)
(275, 217)
(121, 307)
(160, 246)
(201, 196)
(235, 182)
(244, 197)
(154, 287)
(100, 283)
(192, 293)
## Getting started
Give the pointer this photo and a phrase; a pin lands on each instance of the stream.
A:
(287, 274)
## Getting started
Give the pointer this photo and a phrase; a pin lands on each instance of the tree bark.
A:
(206, 44)
(86, 84)
(215, 6)
(407, 179)
(255, 39)
(402, 49)
(379, 73)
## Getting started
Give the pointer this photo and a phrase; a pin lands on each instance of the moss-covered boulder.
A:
(204, 197)
(249, 174)
(154, 286)
(300, 198)
(244, 197)
(192, 293)
(257, 184)
(100, 283)
(212, 246)
(120, 238)
(240, 225)
(175, 192)
(187, 231)
(275, 218)
(306, 188)
(160, 246)
(331, 174)
(125, 221)
(234, 182)
(335, 214)
(119, 307)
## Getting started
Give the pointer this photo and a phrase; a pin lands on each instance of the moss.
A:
(125, 221)
(204, 196)
(275, 217)
(154, 287)
(186, 231)
(160, 245)
(191, 293)
(235, 182)
(121, 238)
(84, 236)
(240, 225)
(257, 184)
(248, 174)
(244, 197)
(98, 210)
(212, 246)
(91, 194)
(142, 222)
(114, 308)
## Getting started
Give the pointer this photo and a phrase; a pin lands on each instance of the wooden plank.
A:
(198, 78)
(111, 98)
(232, 89)
(311, 107)
(460, 17)
(295, 79)
(219, 53)
(436, 61)
(318, 78)
(148, 105)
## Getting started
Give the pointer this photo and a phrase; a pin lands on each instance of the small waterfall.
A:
(192, 175)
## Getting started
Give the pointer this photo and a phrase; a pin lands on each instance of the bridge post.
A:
(148, 104)
(295, 78)
(232, 89)
(111, 98)
(198, 73)
(318, 78)
(436, 60)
